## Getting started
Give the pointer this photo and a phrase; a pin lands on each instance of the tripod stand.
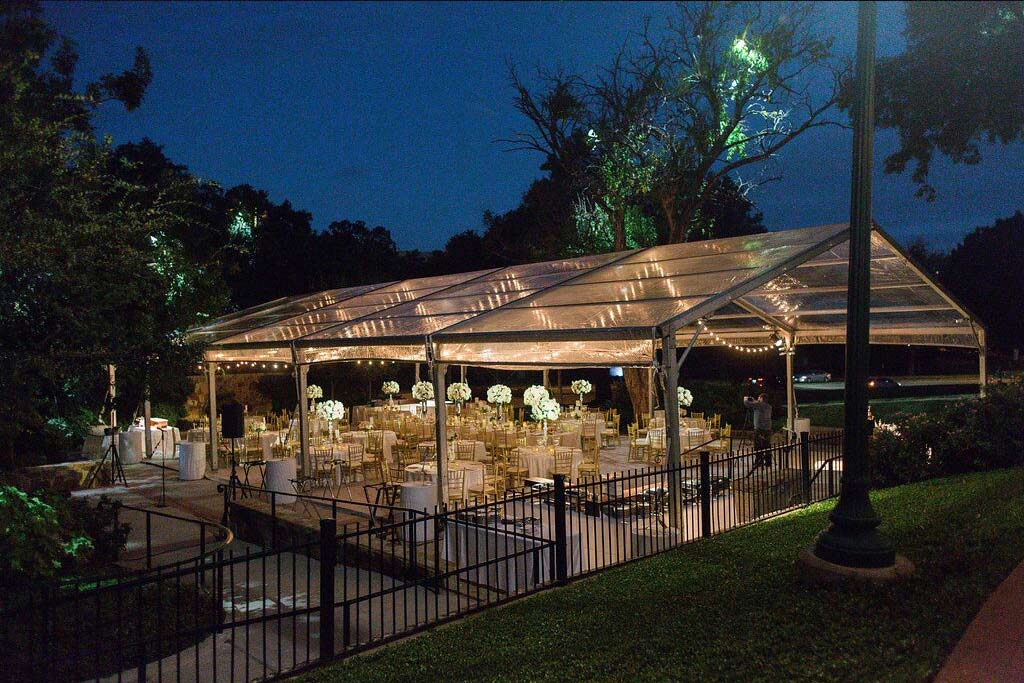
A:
(116, 468)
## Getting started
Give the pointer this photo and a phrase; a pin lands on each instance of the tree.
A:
(986, 271)
(670, 125)
(92, 269)
(957, 84)
(728, 87)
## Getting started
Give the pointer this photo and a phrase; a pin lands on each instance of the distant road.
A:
(915, 381)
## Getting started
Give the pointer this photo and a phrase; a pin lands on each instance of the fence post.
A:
(328, 560)
(149, 540)
(561, 563)
(805, 465)
(705, 494)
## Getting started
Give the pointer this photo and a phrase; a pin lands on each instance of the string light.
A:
(735, 347)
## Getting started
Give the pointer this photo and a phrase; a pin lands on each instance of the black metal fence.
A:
(245, 613)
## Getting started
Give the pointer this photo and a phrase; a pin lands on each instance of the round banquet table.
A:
(569, 439)
(539, 460)
(191, 460)
(418, 495)
(280, 474)
(427, 471)
(267, 441)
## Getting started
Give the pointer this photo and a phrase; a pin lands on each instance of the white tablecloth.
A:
(427, 471)
(280, 474)
(131, 445)
(539, 460)
(419, 495)
(191, 460)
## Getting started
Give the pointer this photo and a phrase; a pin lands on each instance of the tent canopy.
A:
(606, 309)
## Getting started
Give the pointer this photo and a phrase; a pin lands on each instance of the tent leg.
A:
(544, 378)
(211, 383)
(418, 372)
(146, 415)
(462, 374)
(303, 371)
(982, 368)
(437, 372)
(670, 371)
(790, 391)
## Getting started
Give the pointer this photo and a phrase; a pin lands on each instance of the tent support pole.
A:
(462, 374)
(211, 385)
(303, 374)
(790, 390)
(544, 378)
(982, 368)
(437, 373)
(669, 370)
(146, 415)
(418, 372)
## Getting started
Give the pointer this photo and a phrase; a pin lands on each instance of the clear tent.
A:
(608, 309)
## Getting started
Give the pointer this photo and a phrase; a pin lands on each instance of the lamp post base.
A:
(815, 570)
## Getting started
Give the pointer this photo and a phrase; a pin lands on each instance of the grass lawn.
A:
(731, 608)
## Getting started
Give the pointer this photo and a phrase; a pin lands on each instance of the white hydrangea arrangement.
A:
(330, 410)
(534, 394)
(685, 397)
(499, 393)
(581, 387)
(390, 388)
(459, 392)
(546, 409)
(313, 392)
(423, 391)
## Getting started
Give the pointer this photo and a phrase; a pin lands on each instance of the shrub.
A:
(45, 538)
(966, 436)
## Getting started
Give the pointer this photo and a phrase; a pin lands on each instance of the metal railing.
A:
(244, 613)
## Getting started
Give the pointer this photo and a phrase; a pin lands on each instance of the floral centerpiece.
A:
(390, 388)
(543, 410)
(313, 392)
(581, 388)
(459, 392)
(332, 412)
(423, 392)
(500, 395)
(685, 399)
(535, 394)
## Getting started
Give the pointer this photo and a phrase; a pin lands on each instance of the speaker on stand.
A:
(232, 426)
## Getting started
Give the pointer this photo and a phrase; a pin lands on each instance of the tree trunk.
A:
(636, 385)
(619, 228)
(668, 207)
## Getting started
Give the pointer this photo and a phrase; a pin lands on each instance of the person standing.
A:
(762, 411)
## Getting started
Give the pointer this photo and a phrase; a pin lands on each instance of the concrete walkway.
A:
(992, 648)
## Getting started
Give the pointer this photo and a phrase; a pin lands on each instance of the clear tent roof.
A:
(606, 309)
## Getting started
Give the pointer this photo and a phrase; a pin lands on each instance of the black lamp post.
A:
(852, 540)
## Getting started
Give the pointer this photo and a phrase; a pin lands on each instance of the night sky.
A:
(389, 113)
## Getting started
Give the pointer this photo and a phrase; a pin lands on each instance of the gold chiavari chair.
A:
(426, 450)
(639, 447)
(610, 434)
(588, 435)
(323, 468)
(352, 464)
(456, 484)
(723, 444)
(465, 450)
(515, 471)
(562, 463)
(251, 457)
(405, 454)
(494, 479)
(656, 443)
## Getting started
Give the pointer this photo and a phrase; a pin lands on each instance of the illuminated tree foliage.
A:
(672, 122)
(957, 84)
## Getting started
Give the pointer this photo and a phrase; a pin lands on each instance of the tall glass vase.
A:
(544, 438)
